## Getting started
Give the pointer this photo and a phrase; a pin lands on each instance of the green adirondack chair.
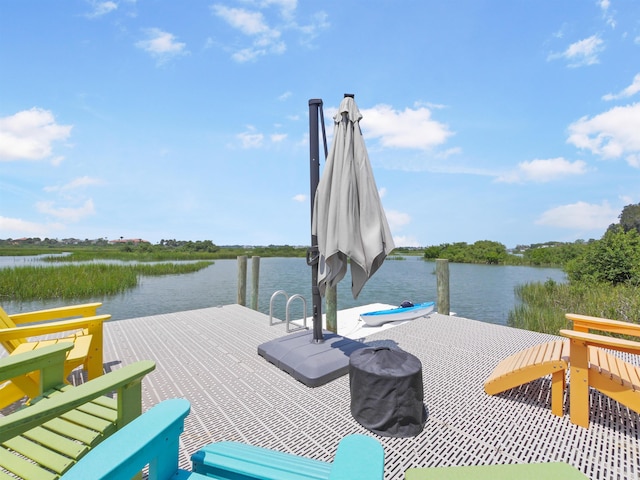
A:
(43, 440)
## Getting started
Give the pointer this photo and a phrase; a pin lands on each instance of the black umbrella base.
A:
(311, 363)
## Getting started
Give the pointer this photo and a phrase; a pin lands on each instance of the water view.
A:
(480, 292)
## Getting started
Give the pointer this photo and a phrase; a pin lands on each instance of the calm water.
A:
(480, 292)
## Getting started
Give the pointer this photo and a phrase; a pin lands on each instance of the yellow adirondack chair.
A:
(551, 358)
(17, 332)
(588, 367)
(592, 366)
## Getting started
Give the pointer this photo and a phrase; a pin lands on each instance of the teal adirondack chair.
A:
(155, 443)
(43, 440)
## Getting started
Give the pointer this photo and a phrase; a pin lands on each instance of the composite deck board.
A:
(209, 357)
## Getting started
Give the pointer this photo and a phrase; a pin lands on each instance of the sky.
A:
(515, 121)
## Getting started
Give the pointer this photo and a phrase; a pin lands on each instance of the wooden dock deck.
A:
(209, 357)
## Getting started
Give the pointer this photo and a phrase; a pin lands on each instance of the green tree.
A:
(614, 259)
(630, 218)
(554, 253)
(432, 252)
(487, 251)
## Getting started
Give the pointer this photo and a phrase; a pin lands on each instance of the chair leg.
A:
(579, 394)
(558, 384)
(94, 364)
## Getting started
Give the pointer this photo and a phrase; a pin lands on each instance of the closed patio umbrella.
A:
(348, 218)
(348, 224)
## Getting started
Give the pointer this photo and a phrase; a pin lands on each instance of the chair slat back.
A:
(6, 322)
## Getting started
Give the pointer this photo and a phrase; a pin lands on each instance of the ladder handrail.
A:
(275, 294)
(289, 300)
(304, 306)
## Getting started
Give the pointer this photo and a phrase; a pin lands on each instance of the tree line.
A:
(613, 259)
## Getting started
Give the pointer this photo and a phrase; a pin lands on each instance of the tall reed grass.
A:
(81, 281)
(137, 256)
(543, 305)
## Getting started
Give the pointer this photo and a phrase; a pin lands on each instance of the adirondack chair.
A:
(17, 332)
(45, 439)
(593, 366)
(154, 442)
(551, 358)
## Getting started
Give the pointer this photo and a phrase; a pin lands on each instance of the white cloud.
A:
(102, 8)
(382, 192)
(581, 53)
(285, 95)
(287, 7)
(162, 45)
(397, 219)
(580, 216)
(16, 227)
(544, 170)
(405, 241)
(265, 35)
(604, 6)
(29, 134)
(301, 197)
(67, 214)
(79, 182)
(278, 137)
(626, 92)
(312, 30)
(252, 24)
(250, 138)
(411, 128)
(612, 134)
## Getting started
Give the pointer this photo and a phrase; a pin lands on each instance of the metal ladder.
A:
(289, 300)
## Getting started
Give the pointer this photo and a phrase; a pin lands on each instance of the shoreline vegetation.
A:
(603, 275)
(74, 281)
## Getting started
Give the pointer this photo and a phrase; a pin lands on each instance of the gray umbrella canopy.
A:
(348, 217)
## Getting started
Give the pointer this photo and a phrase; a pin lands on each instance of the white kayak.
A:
(375, 319)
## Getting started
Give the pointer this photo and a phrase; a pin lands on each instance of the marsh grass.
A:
(543, 305)
(137, 256)
(82, 281)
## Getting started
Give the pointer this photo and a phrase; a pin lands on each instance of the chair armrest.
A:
(358, 457)
(49, 360)
(584, 323)
(603, 341)
(52, 327)
(122, 380)
(150, 439)
(84, 310)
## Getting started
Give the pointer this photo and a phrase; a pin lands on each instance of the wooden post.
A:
(442, 278)
(331, 301)
(242, 280)
(255, 278)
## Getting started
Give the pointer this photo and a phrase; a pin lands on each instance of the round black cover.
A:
(386, 391)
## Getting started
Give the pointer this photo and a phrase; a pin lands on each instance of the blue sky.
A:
(512, 121)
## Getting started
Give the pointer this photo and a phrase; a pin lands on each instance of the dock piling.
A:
(255, 280)
(242, 280)
(442, 279)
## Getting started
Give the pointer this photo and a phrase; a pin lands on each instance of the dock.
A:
(209, 356)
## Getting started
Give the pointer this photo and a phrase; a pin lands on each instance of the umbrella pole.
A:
(315, 107)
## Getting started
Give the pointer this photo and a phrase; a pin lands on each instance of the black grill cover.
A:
(386, 391)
